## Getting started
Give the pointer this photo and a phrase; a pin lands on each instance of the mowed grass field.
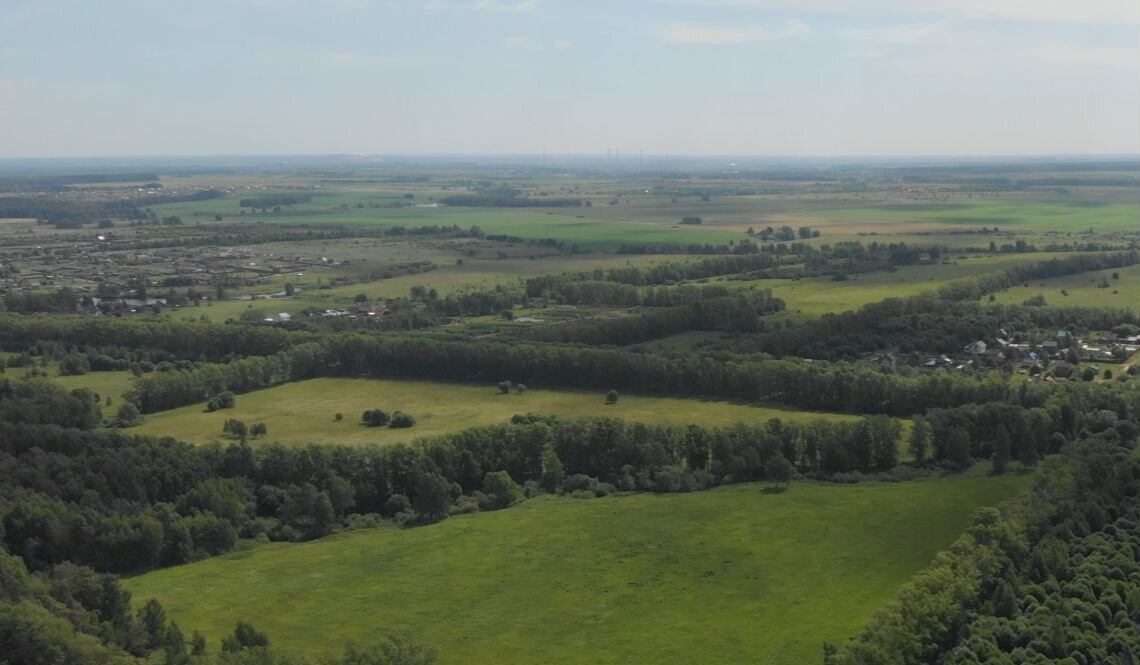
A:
(1082, 290)
(304, 412)
(732, 575)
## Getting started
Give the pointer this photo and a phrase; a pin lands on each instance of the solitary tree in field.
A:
(401, 419)
(375, 418)
(612, 397)
(505, 387)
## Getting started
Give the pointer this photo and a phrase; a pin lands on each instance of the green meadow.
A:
(1082, 290)
(731, 575)
(816, 296)
(1042, 213)
(304, 412)
(104, 384)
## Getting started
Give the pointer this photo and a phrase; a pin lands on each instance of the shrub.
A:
(396, 504)
(401, 420)
(464, 505)
(501, 490)
(612, 397)
(579, 481)
(129, 415)
(376, 418)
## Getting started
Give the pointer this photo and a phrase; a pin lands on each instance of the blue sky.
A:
(757, 77)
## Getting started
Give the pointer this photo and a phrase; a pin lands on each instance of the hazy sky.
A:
(764, 77)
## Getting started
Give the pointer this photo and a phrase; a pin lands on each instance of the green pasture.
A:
(813, 297)
(304, 412)
(1082, 290)
(731, 575)
(105, 384)
(572, 225)
(1015, 213)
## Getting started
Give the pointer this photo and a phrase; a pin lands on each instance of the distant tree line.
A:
(839, 387)
(487, 200)
(274, 200)
(741, 313)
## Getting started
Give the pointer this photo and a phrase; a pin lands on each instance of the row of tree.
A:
(837, 387)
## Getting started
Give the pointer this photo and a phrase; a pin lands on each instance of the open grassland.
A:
(303, 412)
(104, 384)
(731, 575)
(1082, 290)
(1037, 212)
(813, 297)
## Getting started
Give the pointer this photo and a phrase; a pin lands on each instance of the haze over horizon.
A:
(528, 77)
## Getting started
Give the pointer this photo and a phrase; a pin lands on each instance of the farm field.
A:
(730, 575)
(1020, 212)
(303, 412)
(574, 225)
(1082, 290)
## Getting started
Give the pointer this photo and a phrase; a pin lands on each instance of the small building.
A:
(977, 348)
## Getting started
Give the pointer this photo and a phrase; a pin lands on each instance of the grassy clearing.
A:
(814, 297)
(731, 575)
(1082, 289)
(105, 384)
(303, 412)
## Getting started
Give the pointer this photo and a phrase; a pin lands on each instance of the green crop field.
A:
(1082, 290)
(303, 412)
(1023, 212)
(730, 575)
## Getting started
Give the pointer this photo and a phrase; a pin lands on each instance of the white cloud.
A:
(357, 59)
(680, 32)
(1061, 11)
(891, 34)
(1068, 55)
(518, 7)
